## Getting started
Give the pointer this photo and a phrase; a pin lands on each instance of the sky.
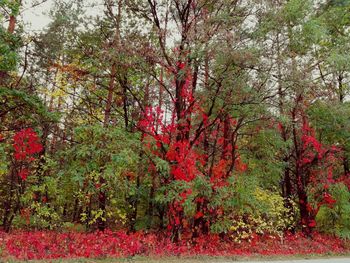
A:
(36, 18)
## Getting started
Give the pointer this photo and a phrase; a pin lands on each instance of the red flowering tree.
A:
(26, 145)
(196, 144)
(193, 122)
(313, 171)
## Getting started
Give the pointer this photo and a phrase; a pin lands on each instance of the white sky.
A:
(36, 18)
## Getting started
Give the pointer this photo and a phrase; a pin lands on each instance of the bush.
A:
(271, 217)
(335, 219)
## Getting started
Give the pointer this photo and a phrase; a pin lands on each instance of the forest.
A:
(178, 126)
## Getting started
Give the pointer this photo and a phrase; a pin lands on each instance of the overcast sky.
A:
(35, 18)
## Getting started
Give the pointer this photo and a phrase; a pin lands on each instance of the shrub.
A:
(271, 217)
(335, 219)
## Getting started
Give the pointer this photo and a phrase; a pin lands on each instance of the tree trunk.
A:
(305, 217)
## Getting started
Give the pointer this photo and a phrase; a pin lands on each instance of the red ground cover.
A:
(51, 245)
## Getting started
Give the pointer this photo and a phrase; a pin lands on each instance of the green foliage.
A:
(3, 159)
(108, 153)
(332, 123)
(293, 12)
(249, 210)
(8, 52)
(336, 219)
(11, 5)
(9, 43)
(263, 153)
(20, 106)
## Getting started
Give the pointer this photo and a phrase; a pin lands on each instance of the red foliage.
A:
(316, 164)
(328, 199)
(312, 223)
(23, 174)
(52, 245)
(179, 140)
(26, 143)
(185, 158)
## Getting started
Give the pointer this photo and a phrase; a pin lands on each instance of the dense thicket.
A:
(190, 116)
